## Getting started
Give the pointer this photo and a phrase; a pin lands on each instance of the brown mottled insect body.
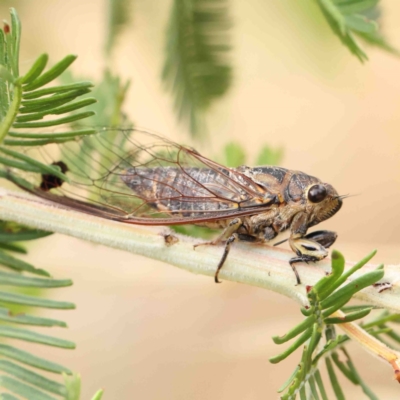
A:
(283, 193)
(147, 180)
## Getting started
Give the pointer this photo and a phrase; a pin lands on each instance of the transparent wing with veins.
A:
(142, 178)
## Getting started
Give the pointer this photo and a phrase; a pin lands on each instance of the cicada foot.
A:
(303, 258)
(307, 251)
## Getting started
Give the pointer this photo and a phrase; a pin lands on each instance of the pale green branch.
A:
(256, 265)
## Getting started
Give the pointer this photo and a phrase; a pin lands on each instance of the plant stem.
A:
(262, 266)
(371, 344)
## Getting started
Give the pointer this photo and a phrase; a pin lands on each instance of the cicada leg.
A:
(311, 247)
(324, 238)
(228, 243)
(229, 235)
(306, 250)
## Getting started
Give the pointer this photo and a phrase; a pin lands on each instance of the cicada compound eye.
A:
(317, 193)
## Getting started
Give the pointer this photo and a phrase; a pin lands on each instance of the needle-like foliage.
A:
(196, 68)
(355, 18)
(329, 295)
(25, 100)
(119, 14)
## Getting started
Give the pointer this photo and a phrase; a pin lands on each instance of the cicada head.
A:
(319, 200)
(322, 202)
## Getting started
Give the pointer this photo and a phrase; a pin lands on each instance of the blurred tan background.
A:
(149, 331)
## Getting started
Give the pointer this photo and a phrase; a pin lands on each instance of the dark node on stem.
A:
(6, 28)
(50, 181)
(170, 239)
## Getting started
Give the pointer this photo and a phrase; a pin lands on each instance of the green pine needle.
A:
(196, 68)
(119, 15)
(334, 381)
(24, 99)
(349, 19)
(328, 295)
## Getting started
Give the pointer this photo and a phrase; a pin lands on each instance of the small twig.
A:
(371, 344)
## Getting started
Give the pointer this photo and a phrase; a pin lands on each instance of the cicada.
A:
(140, 178)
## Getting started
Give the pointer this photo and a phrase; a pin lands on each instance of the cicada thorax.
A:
(290, 188)
(288, 184)
(268, 176)
(277, 181)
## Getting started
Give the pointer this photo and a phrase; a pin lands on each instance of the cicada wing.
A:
(140, 177)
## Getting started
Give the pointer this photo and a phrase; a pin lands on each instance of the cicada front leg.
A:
(229, 235)
(324, 238)
(311, 247)
(306, 250)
